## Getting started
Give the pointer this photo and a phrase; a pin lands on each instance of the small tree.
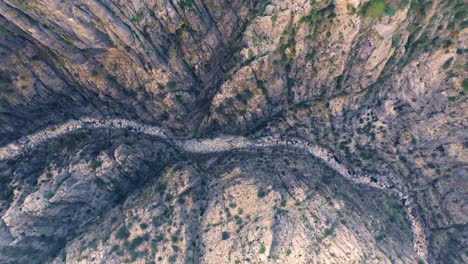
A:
(262, 249)
(224, 235)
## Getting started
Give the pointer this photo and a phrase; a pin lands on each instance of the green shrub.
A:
(261, 193)
(261, 85)
(105, 238)
(224, 235)
(328, 231)
(280, 211)
(310, 54)
(310, 19)
(181, 200)
(171, 85)
(186, 4)
(238, 220)
(244, 96)
(374, 9)
(157, 222)
(262, 249)
(447, 63)
(93, 245)
(351, 8)
(389, 10)
(122, 233)
(173, 258)
(460, 15)
(136, 242)
(274, 18)
(137, 17)
(380, 237)
(219, 110)
(48, 194)
(175, 248)
(95, 164)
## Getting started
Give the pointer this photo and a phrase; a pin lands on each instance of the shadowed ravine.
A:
(224, 144)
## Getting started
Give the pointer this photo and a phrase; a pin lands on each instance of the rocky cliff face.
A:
(380, 83)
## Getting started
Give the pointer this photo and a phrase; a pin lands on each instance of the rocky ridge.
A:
(381, 84)
(224, 144)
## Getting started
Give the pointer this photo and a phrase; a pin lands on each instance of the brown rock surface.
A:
(380, 84)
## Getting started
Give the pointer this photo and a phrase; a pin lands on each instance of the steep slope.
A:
(156, 61)
(94, 198)
(381, 84)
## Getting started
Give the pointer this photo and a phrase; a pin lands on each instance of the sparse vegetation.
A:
(328, 231)
(203, 82)
(280, 211)
(137, 17)
(137, 241)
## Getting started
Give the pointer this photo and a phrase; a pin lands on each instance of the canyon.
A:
(233, 131)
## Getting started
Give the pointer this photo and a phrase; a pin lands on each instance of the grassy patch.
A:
(374, 9)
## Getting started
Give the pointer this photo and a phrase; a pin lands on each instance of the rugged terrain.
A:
(379, 84)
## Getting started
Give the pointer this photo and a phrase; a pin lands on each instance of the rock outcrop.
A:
(376, 87)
